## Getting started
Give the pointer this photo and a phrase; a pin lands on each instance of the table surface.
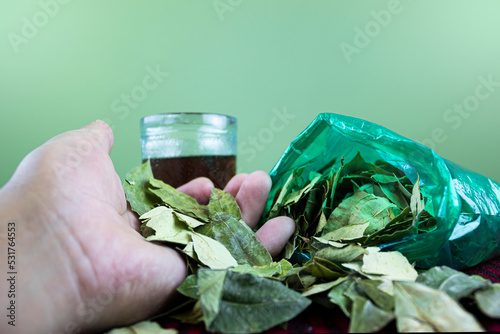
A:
(318, 319)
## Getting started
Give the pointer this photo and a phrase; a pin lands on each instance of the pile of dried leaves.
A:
(235, 286)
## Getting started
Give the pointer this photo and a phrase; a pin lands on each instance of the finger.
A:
(233, 186)
(275, 233)
(252, 196)
(102, 132)
(199, 188)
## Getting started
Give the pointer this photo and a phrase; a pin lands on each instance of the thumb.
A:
(103, 133)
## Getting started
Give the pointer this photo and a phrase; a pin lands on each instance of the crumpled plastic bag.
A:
(465, 204)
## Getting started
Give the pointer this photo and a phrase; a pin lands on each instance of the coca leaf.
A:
(323, 287)
(455, 283)
(324, 269)
(378, 296)
(212, 253)
(136, 189)
(240, 240)
(488, 300)
(275, 269)
(337, 296)
(210, 289)
(178, 201)
(222, 202)
(345, 254)
(250, 304)
(420, 308)
(165, 225)
(366, 317)
(388, 265)
(145, 327)
(361, 208)
(189, 287)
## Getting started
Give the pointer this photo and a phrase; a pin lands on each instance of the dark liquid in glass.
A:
(177, 171)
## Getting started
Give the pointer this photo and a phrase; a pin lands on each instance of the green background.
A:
(250, 59)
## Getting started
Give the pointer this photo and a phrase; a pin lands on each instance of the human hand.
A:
(83, 266)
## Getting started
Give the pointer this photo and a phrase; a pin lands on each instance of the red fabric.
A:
(489, 270)
(318, 319)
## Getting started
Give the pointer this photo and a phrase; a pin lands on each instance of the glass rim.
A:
(204, 118)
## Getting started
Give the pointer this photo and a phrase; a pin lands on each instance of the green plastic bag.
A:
(465, 204)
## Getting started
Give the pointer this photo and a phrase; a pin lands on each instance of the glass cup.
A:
(184, 146)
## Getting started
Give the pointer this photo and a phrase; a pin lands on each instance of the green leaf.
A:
(252, 304)
(388, 265)
(325, 242)
(435, 276)
(367, 188)
(299, 280)
(322, 287)
(189, 251)
(285, 190)
(321, 224)
(297, 195)
(206, 230)
(388, 231)
(416, 203)
(488, 300)
(383, 167)
(189, 221)
(420, 308)
(145, 327)
(354, 290)
(330, 190)
(178, 201)
(222, 202)
(324, 269)
(356, 165)
(455, 283)
(275, 269)
(379, 297)
(210, 289)
(240, 240)
(189, 287)
(382, 178)
(165, 225)
(212, 253)
(312, 209)
(366, 317)
(337, 297)
(394, 195)
(345, 254)
(136, 189)
(361, 208)
(192, 316)
(402, 188)
(349, 232)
